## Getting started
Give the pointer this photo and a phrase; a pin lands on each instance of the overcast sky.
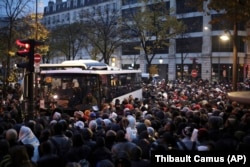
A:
(41, 5)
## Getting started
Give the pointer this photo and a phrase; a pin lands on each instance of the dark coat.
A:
(49, 160)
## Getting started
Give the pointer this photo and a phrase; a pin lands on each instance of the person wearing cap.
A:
(92, 116)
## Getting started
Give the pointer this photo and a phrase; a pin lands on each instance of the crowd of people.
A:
(174, 116)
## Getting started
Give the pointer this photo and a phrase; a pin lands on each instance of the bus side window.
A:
(75, 83)
(123, 80)
(112, 80)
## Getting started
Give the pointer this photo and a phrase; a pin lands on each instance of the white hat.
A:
(113, 115)
(79, 124)
(57, 116)
(107, 122)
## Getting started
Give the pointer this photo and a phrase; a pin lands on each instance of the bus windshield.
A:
(72, 88)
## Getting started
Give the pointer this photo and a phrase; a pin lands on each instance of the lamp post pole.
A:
(235, 57)
(219, 69)
(229, 73)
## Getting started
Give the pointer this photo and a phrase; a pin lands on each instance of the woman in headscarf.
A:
(131, 131)
(26, 136)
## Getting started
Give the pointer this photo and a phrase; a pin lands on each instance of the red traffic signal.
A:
(27, 50)
(25, 47)
(23, 43)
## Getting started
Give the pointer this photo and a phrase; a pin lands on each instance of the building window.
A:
(130, 48)
(130, 34)
(182, 7)
(68, 4)
(194, 24)
(127, 14)
(49, 21)
(218, 23)
(114, 6)
(63, 17)
(158, 7)
(227, 46)
(74, 15)
(158, 49)
(99, 9)
(129, 2)
(93, 11)
(223, 72)
(68, 16)
(189, 45)
(54, 20)
(54, 8)
(82, 2)
(75, 3)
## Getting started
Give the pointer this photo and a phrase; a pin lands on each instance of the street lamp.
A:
(235, 54)
(160, 60)
(224, 37)
(112, 61)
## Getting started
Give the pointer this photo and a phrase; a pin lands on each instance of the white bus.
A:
(68, 85)
(83, 64)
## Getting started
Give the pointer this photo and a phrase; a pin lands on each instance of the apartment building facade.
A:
(197, 53)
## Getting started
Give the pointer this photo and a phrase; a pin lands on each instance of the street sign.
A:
(37, 67)
(194, 73)
(37, 58)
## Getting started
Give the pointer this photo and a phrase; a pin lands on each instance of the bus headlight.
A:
(55, 97)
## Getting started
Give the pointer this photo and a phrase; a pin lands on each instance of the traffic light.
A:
(27, 51)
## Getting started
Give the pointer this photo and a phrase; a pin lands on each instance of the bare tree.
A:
(67, 39)
(103, 31)
(13, 9)
(153, 25)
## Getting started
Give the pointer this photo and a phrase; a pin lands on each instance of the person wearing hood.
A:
(131, 131)
(25, 137)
